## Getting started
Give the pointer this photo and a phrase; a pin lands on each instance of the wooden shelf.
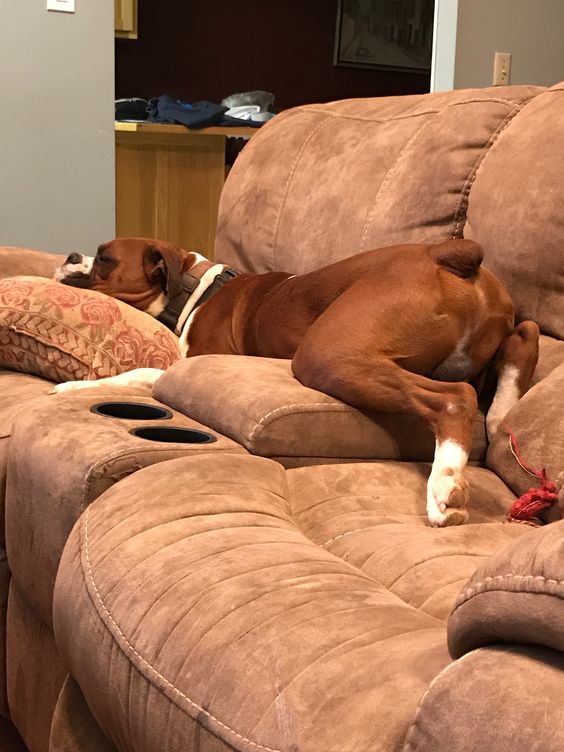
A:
(163, 129)
(169, 180)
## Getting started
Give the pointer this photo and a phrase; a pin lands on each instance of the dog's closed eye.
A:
(104, 262)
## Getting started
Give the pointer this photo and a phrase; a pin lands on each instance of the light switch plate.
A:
(66, 6)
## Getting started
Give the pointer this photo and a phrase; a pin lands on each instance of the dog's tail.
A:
(459, 257)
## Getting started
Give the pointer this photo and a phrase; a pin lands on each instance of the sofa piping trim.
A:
(497, 582)
(307, 407)
(97, 470)
(476, 100)
(124, 643)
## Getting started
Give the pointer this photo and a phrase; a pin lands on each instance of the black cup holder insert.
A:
(130, 411)
(173, 435)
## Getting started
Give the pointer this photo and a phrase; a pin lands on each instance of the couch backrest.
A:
(516, 210)
(322, 182)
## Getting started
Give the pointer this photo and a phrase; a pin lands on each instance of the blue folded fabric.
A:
(165, 109)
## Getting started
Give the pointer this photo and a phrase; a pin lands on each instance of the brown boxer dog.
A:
(404, 328)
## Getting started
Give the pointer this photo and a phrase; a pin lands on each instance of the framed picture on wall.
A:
(387, 34)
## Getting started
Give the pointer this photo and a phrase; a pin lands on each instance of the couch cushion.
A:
(212, 613)
(322, 182)
(64, 334)
(258, 403)
(515, 211)
(373, 516)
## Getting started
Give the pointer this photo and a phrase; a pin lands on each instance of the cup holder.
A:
(130, 411)
(173, 435)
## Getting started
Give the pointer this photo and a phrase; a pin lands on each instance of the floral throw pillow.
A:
(64, 333)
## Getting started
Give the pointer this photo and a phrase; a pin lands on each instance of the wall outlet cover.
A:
(66, 6)
(502, 69)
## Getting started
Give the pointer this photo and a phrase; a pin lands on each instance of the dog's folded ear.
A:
(165, 261)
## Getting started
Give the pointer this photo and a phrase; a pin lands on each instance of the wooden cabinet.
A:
(125, 18)
(169, 180)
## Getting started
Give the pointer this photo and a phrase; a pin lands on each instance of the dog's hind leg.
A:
(379, 384)
(138, 378)
(514, 364)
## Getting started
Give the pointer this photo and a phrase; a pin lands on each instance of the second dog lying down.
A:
(397, 329)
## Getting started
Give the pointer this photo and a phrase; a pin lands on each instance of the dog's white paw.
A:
(493, 422)
(73, 386)
(447, 496)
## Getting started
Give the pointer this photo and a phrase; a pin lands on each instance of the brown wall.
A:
(207, 49)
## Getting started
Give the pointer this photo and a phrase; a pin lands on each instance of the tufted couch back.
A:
(323, 182)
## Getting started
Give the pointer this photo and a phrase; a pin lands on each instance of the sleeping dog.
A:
(405, 328)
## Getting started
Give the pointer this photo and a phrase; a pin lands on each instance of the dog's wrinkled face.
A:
(138, 271)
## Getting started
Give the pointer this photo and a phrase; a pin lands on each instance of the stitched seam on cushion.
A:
(477, 100)
(364, 119)
(268, 418)
(461, 211)
(409, 742)
(490, 583)
(198, 708)
(387, 178)
(349, 532)
(287, 187)
(90, 476)
(288, 498)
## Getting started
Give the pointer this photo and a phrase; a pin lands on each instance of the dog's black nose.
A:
(74, 258)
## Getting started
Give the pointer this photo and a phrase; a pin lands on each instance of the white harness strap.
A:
(186, 316)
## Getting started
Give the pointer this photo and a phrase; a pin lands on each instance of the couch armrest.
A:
(191, 606)
(516, 596)
(258, 403)
(503, 699)
(16, 261)
(537, 421)
(551, 355)
(502, 696)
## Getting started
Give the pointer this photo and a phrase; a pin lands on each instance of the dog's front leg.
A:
(381, 385)
(451, 413)
(139, 378)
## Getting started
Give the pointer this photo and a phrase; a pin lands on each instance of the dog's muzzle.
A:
(75, 270)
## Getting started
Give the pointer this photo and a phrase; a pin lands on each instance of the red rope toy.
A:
(528, 506)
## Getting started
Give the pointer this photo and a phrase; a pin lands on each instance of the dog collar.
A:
(176, 306)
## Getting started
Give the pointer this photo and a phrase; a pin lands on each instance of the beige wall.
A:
(532, 30)
(56, 128)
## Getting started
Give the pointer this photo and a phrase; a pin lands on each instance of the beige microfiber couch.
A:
(278, 589)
